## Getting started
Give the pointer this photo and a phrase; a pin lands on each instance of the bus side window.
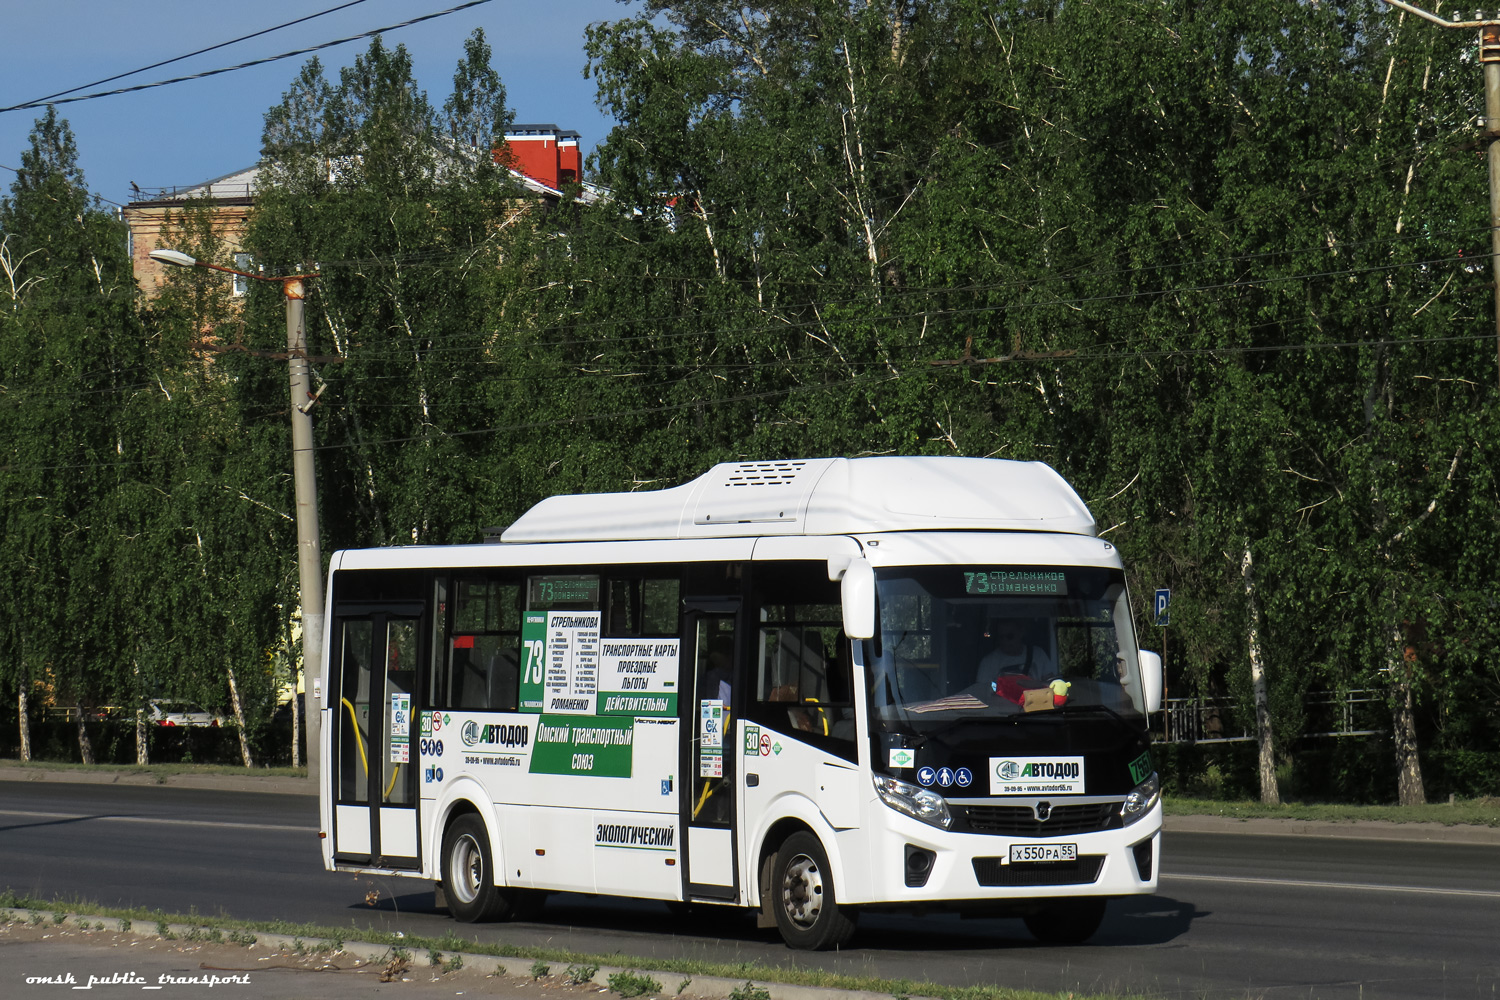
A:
(643, 606)
(484, 645)
(803, 683)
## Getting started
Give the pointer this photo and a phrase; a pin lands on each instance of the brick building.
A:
(541, 158)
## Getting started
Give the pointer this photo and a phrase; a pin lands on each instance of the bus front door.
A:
(712, 761)
(376, 652)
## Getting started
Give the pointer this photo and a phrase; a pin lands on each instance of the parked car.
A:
(182, 713)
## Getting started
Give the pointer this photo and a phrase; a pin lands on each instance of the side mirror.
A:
(1151, 679)
(857, 590)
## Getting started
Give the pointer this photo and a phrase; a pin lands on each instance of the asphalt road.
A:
(1238, 916)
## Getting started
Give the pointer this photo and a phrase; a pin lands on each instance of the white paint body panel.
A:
(710, 856)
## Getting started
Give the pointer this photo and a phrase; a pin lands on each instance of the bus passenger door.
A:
(376, 649)
(711, 759)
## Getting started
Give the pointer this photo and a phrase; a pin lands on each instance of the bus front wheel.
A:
(469, 872)
(803, 899)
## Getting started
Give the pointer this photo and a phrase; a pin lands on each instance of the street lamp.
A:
(1488, 24)
(309, 552)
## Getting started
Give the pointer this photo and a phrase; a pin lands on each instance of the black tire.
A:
(469, 873)
(803, 898)
(1070, 922)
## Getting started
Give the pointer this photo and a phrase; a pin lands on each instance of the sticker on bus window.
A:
(400, 714)
(533, 659)
(711, 763)
(565, 659)
(711, 724)
(638, 676)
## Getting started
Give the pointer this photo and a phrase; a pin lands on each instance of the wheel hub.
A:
(802, 891)
(468, 869)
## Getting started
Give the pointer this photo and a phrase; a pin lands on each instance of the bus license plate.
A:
(1043, 852)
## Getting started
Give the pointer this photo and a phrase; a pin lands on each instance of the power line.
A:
(40, 101)
(255, 62)
(26, 393)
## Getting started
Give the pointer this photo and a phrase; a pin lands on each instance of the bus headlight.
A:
(1140, 800)
(918, 803)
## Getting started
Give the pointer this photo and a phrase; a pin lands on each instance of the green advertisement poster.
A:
(571, 744)
(533, 660)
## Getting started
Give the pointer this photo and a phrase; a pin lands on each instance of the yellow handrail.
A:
(354, 721)
(364, 758)
(821, 714)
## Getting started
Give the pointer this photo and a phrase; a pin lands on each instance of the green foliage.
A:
(540, 969)
(631, 984)
(578, 974)
(1220, 273)
(749, 992)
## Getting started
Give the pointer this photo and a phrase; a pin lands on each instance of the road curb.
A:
(277, 784)
(508, 967)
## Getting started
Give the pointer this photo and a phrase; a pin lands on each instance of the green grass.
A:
(1463, 812)
(330, 938)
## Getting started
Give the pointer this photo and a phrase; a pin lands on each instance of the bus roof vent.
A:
(766, 494)
(761, 473)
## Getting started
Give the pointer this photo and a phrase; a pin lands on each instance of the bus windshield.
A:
(958, 644)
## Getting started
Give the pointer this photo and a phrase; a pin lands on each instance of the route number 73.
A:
(532, 671)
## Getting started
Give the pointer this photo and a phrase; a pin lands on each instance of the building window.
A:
(241, 284)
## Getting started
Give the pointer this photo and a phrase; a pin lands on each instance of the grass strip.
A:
(159, 771)
(1461, 812)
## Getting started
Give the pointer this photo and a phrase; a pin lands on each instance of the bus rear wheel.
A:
(469, 873)
(803, 898)
(1070, 922)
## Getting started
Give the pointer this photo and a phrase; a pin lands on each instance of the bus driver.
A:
(1013, 654)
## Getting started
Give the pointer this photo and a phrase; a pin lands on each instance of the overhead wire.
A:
(42, 101)
(711, 402)
(572, 366)
(255, 62)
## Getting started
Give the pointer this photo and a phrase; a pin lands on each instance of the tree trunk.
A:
(1270, 792)
(85, 745)
(142, 747)
(239, 719)
(1410, 790)
(1409, 787)
(23, 717)
(296, 718)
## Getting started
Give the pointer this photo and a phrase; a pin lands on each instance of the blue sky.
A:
(194, 131)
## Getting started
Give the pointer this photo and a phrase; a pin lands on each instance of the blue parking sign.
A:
(1163, 598)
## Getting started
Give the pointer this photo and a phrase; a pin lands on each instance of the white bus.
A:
(805, 688)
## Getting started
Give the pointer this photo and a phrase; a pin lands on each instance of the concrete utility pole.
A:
(304, 477)
(1489, 59)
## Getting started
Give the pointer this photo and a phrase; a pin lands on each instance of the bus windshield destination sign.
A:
(1003, 582)
(552, 591)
